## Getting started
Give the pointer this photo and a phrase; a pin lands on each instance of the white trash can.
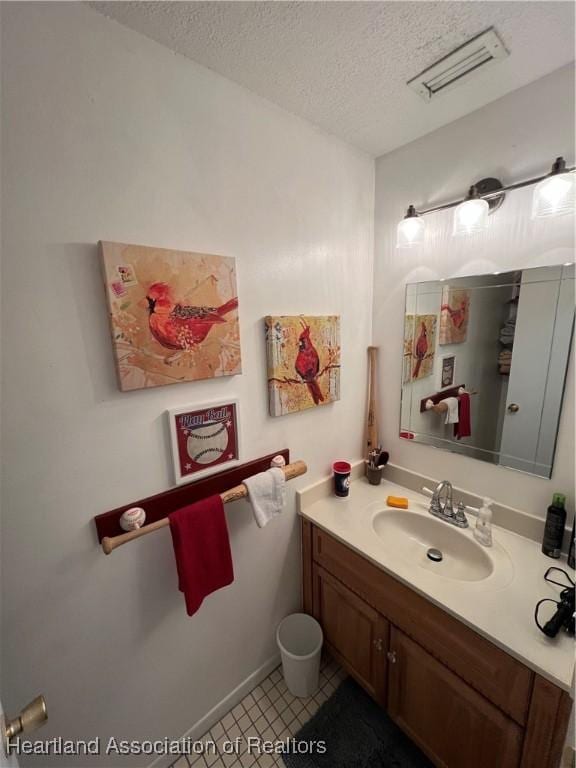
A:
(300, 638)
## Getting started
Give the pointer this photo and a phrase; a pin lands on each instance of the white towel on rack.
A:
(266, 492)
(452, 412)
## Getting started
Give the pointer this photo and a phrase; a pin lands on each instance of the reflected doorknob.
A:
(31, 717)
(513, 408)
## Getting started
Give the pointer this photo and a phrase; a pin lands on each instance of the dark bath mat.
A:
(357, 733)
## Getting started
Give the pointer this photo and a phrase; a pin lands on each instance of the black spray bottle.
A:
(554, 528)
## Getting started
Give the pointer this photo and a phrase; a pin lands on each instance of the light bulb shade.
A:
(410, 232)
(554, 196)
(470, 216)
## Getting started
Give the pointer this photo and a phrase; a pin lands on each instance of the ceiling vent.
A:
(460, 65)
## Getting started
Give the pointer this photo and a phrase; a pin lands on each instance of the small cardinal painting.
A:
(423, 346)
(303, 362)
(454, 315)
(174, 315)
(408, 349)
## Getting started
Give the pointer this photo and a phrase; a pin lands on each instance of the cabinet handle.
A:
(391, 657)
(513, 408)
(378, 644)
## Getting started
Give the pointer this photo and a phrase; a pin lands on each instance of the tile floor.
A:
(269, 712)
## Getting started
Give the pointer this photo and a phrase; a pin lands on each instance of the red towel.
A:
(463, 428)
(202, 550)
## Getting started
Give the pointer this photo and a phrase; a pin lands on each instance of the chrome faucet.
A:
(442, 506)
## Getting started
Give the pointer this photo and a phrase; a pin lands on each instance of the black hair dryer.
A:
(563, 617)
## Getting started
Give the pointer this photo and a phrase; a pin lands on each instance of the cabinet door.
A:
(355, 633)
(454, 725)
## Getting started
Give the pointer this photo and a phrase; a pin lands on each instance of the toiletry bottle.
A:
(554, 528)
(571, 562)
(483, 530)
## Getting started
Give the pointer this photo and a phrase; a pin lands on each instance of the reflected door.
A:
(534, 396)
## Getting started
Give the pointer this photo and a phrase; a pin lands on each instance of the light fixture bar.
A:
(490, 195)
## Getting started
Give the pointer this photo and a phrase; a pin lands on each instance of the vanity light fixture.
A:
(471, 215)
(555, 195)
(410, 231)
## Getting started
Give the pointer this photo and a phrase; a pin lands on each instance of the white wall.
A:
(513, 138)
(108, 135)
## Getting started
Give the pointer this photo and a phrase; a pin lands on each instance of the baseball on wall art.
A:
(204, 439)
(174, 315)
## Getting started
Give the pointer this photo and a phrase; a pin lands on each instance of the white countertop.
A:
(502, 610)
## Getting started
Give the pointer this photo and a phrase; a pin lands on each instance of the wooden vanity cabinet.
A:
(454, 725)
(465, 702)
(355, 634)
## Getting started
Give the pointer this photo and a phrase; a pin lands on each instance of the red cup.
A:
(341, 470)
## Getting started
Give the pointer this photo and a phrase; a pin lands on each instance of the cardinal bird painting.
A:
(408, 348)
(454, 315)
(307, 364)
(180, 326)
(303, 362)
(424, 346)
(174, 315)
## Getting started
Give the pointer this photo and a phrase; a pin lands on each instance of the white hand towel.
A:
(266, 492)
(452, 412)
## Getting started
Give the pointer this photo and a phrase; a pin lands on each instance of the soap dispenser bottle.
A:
(483, 530)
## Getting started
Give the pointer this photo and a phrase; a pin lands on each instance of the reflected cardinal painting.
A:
(408, 348)
(303, 362)
(423, 346)
(174, 315)
(454, 315)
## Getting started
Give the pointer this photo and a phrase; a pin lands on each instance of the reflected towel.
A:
(507, 332)
(452, 412)
(266, 492)
(202, 550)
(463, 428)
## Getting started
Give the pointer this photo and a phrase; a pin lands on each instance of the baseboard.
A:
(222, 708)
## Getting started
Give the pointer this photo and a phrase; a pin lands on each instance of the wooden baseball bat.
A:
(372, 416)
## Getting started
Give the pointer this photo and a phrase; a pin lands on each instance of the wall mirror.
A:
(484, 364)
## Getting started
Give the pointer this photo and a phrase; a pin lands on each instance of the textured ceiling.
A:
(344, 65)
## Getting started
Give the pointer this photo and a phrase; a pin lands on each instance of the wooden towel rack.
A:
(110, 543)
(437, 397)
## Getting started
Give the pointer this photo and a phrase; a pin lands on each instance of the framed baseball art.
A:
(205, 439)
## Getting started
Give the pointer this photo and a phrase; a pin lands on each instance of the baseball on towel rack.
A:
(133, 518)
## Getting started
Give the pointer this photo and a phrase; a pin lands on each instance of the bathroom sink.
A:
(445, 550)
